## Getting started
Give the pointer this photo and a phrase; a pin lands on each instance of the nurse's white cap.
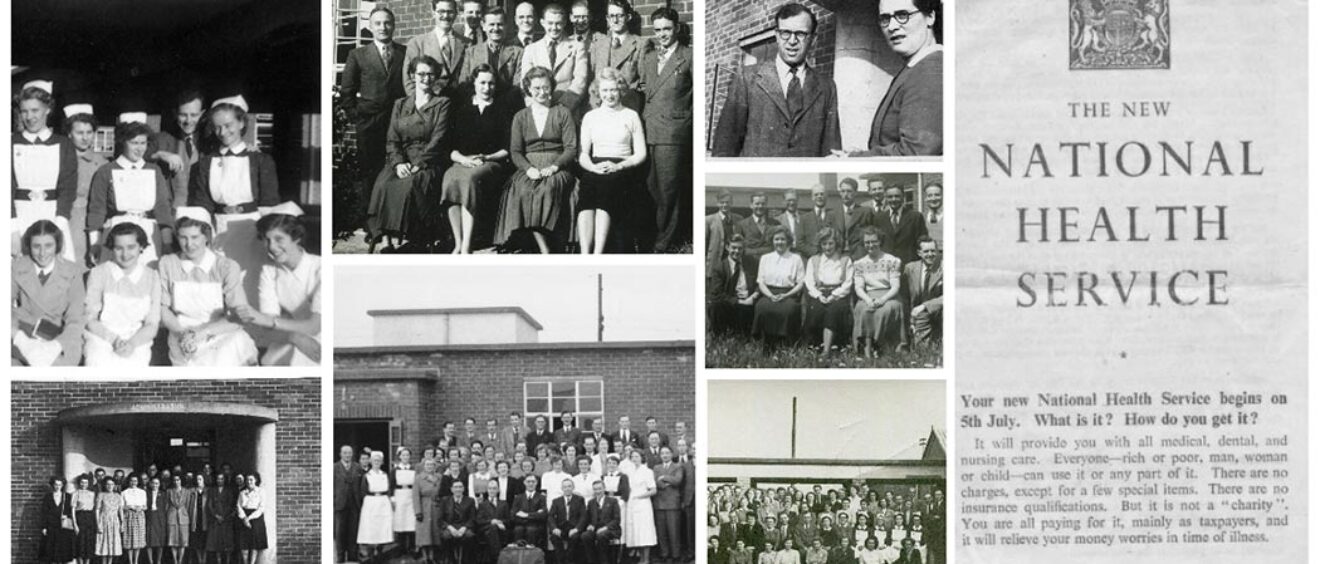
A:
(75, 109)
(233, 100)
(193, 212)
(46, 85)
(133, 117)
(286, 208)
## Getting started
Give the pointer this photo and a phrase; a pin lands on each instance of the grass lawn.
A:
(741, 351)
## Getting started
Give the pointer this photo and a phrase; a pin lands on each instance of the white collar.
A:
(304, 268)
(620, 36)
(126, 164)
(238, 149)
(443, 37)
(117, 272)
(382, 46)
(43, 135)
(47, 270)
(782, 68)
(922, 53)
(207, 263)
(481, 106)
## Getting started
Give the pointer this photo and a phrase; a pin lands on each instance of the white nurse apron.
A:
(196, 303)
(236, 233)
(405, 517)
(123, 316)
(37, 170)
(135, 198)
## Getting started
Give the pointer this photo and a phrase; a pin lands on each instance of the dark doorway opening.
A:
(190, 449)
(369, 433)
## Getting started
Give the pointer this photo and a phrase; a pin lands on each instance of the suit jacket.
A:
(722, 287)
(533, 440)
(179, 506)
(793, 223)
(178, 181)
(568, 437)
(715, 236)
(570, 515)
(755, 121)
(473, 35)
(669, 486)
(910, 557)
(345, 485)
(450, 57)
(604, 514)
(901, 240)
(811, 226)
(910, 119)
(508, 59)
(852, 225)
(570, 68)
(488, 511)
(59, 300)
(369, 88)
(221, 506)
(627, 58)
(917, 290)
(509, 439)
(634, 439)
(756, 237)
(510, 487)
(690, 483)
(532, 503)
(460, 514)
(651, 458)
(667, 108)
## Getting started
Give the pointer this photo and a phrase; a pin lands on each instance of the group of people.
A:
(862, 276)
(518, 137)
(852, 525)
(580, 495)
(786, 107)
(154, 515)
(177, 251)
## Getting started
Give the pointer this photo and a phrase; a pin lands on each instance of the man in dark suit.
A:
(372, 80)
(625, 434)
(177, 155)
(567, 434)
(597, 431)
(457, 519)
(900, 225)
(502, 57)
(653, 426)
(580, 19)
(568, 520)
(668, 505)
(619, 49)
(908, 554)
(924, 288)
(347, 474)
(757, 227)
(933, 529)
(492, 521)
(813, 221)
(529, 513)
(442, 45)
(689, 463)
(524, 18)
(603, 519)
(666, 80)
(719, 226)
(651, 456)
(469, 25)
(540, 435)
(853, 220)
(783, 107)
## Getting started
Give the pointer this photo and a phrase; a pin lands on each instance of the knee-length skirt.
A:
(135, 529)
(777, 319)
(220, 537)
(157, 530)
(397, 204)
(177, 535)
(254, 537)
(534, 204)
(86, 533)
(835, 316)
(881, 324)
(429, 527)
(376, 522)
(109, 537)
(639, 529)
(463, 186)
(607, 192)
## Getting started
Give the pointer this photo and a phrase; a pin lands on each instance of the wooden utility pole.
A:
(600, 308)
(793, 432)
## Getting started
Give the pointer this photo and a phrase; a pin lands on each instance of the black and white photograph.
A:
(824, 270)
(825, 78)
(157, 472)
(499, 126)
(514, 414)
(166, 184)
(804, 471)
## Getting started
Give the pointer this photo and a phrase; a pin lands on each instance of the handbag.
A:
(66, 522)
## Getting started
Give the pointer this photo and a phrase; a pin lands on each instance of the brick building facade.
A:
(270, 425)
(403, 394)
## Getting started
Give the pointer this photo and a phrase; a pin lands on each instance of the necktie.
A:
(493, 57)
(794, 93)
(526, 41)
(925, 280)
(43, 277)
(188, 147)
(385, 56)
(617, 43)
(554, 45)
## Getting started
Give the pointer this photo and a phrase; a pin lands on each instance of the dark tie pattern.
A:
(554, 46)
(794, 93)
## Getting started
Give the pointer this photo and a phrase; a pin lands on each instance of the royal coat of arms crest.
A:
(1118, 34)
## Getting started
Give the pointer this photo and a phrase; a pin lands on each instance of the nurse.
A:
(289, 291)
(123, 302)
(131, 190)
(45, 181)
(199, 291)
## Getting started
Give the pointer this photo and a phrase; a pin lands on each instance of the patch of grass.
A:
(741, 351)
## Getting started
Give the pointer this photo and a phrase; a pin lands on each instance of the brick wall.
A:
(640, 381)
(728, 22)
(36, 447)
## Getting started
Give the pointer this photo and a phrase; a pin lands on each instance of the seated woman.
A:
(123, 301)
(46, 316)
(543, 143)
(419, 125)
(481, 159)
(780, 279)
(45, 181)
(199, 290)
(131, 190)
(878, 313)
(232, 184)
(829, 284)
(613, 149)
(289, 294)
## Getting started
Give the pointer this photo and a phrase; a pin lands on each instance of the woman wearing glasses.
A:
(910, 119)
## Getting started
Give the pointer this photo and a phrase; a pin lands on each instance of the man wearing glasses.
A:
(443, 46)
(910, 119)
(621, 50)
(784, 107)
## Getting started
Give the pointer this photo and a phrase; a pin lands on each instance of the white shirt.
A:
(296, 290)
(443, 38)
(739, 286)
(539, 116)
(785, 76)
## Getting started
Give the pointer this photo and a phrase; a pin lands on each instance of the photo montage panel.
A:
(166, 183)
(504, 412)
(837, 471)
(824, 270)
(513, 127)
(202, 470)
(820, 78)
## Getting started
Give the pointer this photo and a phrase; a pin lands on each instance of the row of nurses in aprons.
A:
(194, 294)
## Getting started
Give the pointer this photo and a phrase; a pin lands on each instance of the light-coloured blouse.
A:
(611, 131)
(780, 271)
(251, 501)
(823, 271)
(135, 498)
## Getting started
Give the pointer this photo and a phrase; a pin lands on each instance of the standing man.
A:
(791, 221)
(347, 475)
(566, 59)
(567, 434)
(580, 17)
(372, 80)
(756, 228)
(651, 457)
(900, 225)
(469, 433)
(524, 17)
(470, 26)
(719, 227)
(925, 292)
(177, 155)
(668, 505)
(933, 529)
(491, 437)
(667, 113)
(934, 192)
(854, 219)
(513, 434)
(626, 436)
(540, 435)
(620, 50)
(653, 426)
(818, 218)
(442, 45)
(688, 461)
(875, 187)
(502, 57)
(598, 431)
(784, 107)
